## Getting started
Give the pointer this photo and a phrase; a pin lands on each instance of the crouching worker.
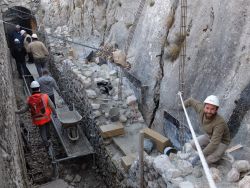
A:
(40, 107)
(216, 139)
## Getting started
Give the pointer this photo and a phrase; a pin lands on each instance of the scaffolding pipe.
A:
(203, 160)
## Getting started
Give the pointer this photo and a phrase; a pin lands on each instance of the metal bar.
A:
(141, 153)
(26, 85)
(64, 159)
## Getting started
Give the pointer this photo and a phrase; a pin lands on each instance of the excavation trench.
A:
(92, 88)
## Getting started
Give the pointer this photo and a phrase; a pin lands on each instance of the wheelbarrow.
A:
(69, 120)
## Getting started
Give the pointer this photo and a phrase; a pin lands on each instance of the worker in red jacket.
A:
(40, 107)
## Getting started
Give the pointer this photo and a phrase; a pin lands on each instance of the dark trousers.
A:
(44, 133)
(52, 98)
(30, 56)
(21, 68)
(40, 65)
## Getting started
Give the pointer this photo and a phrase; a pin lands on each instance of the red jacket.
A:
(39, 108)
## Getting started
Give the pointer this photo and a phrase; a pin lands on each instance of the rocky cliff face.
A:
(217, 48)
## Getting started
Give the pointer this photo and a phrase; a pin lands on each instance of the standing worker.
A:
(40, 107)
(18, 52)
(47, 84)
(216, 139)
(39, 53)
(26, 40)
(17, 35)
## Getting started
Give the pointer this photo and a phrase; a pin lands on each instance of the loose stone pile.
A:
(93, 89)
(176, 170)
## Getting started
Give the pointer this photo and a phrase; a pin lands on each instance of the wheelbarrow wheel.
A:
(73, 133)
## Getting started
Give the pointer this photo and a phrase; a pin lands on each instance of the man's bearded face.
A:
(210, 111)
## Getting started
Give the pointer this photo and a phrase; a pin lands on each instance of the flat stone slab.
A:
(59, 183)
(110, 130)
(129, 142)
(160, 140)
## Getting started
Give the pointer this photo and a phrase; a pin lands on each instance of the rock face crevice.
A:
(242, 105)
(169, 23)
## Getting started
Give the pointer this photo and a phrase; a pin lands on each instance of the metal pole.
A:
(141, 163)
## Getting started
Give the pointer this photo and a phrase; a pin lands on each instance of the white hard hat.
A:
(34, 84)
(18, 26)
(34, 36)
(22, 32)
(212, 99)
(16, 41)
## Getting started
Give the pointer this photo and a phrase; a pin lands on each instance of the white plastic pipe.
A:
(203, 160)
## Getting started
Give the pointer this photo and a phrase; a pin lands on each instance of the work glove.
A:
(195, 160)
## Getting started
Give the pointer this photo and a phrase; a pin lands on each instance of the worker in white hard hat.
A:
(216, 139)
(16, 35)
(40, 107)
(39, 53)
(26, 40)
(18, 52)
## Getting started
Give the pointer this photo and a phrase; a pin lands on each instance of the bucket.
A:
(114, 114)
(169, 150)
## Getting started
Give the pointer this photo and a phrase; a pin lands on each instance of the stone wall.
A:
(29, 4)
(12, 165)
(72, 85)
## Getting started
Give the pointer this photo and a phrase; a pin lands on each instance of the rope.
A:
(203, 161)
(61, 38)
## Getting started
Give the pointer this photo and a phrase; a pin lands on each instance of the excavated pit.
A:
(73, 82)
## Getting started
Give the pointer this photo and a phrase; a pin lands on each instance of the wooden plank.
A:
(112, 130)
(127, 161)
(160, 140)
(238, 146)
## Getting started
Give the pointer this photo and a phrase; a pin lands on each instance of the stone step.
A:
(129, 142)
(111, 130)
(160, 140)
(128, 160)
